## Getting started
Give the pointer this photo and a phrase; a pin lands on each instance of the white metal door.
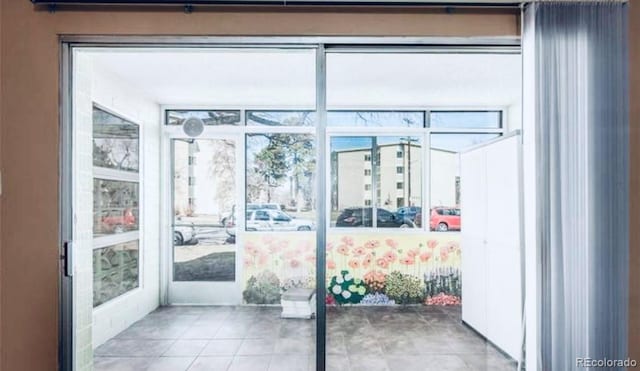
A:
(205, 195)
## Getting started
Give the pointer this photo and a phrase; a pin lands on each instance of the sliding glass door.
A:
(328, 190)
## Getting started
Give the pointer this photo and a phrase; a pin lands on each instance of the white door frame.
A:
(197, 292)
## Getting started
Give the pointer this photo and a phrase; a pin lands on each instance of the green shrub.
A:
(346, 289)
(404, 288)
(262, 289)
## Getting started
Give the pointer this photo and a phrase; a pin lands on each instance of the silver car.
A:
(276, 220)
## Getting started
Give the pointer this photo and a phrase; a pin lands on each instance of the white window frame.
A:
(424, 133)
(239, 134)
(123, 176)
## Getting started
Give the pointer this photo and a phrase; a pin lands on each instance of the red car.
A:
(118, 220)
(445, 219)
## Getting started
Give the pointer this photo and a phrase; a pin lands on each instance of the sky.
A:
(451, 142)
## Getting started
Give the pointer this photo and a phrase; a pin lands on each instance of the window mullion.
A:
(375, 168)
(116, 175)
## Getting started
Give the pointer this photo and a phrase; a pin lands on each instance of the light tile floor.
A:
(256, 338)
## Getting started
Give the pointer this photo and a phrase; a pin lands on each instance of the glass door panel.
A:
(204, 197)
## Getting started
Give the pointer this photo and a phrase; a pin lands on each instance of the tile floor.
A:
(256, 338)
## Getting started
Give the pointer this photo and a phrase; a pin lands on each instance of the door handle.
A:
(67, 258)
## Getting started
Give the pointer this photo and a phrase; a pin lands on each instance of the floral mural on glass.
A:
(275, 262)
(402, 269)
(361, 268)
(115, 271)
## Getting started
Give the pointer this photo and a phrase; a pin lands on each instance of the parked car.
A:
(409, 212)
(418, 219)
(276, 220)
(118, 220)
(269, 206)
(226, 216)
(184, 234)
(363, 217)
(229, 217)
(230, 228)
(444, 219)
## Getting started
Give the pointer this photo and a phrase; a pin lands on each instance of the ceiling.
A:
(286, 78)
(463, 80)
(283, 2)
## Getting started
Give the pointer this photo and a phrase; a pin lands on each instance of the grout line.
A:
(192, 362)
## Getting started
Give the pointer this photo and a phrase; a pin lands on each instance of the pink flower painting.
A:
(413, 253)
(347, 240)
(425, 257)
(391, 243)
(343, 249)
(390, 256)
(382, 263)
(354, 264)
(407, 261)
(372, 244)
(263, 259)
(366, 262)
(331, 264)
(359, 251)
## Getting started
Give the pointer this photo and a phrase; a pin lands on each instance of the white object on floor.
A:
(298, 303)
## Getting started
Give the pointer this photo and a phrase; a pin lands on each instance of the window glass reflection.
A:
(444, 212)
(204, 196)
(115, 142)
(398, 119)
(115, 271)
(208, 117)
(281, 118)
(465, 119)
(115, 207)
(395, 180)
(280, 177)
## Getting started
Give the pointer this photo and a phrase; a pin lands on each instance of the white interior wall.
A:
(83, 225)
(110, 91)
(94, 84)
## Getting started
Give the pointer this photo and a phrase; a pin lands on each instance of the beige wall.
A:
(29, 130)
(634, 261)
(29, 136)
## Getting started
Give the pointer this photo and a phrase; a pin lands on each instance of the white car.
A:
(183, 234)
(266, 206)
(276, 220)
